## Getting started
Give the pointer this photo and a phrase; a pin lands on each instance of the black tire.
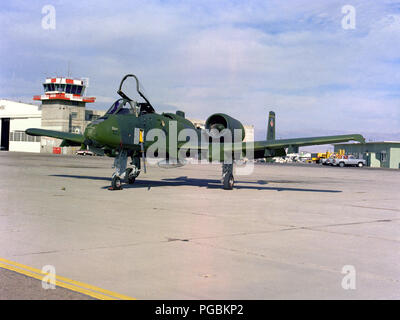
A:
(131, 180)
(341, 164)
(129, 177)
(116, 183)
(228, 181)
(360, 164)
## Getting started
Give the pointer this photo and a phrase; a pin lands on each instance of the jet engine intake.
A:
(221, 121)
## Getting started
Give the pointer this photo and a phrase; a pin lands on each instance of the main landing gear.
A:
(227, 176)
(122, 173)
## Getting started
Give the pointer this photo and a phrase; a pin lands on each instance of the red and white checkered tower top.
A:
(64, 89)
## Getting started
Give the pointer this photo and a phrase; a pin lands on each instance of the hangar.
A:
(384, 154)
(15, 117)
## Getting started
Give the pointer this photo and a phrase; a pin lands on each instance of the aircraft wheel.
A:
(116, 183)
(129, 176)
(228, 181)
(131, 179)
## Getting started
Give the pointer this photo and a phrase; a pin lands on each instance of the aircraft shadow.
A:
(195, 182)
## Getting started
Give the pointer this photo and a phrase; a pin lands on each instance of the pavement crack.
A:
(354, 235)
(346, 224)
(36, 253)
(367, 207)
(176, 239)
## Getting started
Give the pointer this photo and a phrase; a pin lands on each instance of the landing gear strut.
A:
(122, 173)
(132, 173)
(227, 176)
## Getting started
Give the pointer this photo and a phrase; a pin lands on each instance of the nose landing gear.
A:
(131, 174)
(122, 173)
(227, 176)
(115, 183)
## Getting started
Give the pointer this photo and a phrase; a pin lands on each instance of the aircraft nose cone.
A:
(90, 132)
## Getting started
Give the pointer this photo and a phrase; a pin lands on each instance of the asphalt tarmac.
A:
(284, 232)
(16, 286)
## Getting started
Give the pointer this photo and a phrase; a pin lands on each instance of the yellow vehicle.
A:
(317, 157)
(331, 156)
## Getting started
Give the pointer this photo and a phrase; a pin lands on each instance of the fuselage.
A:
(115, 131)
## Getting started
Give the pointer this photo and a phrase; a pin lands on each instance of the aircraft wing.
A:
(69, 139)
(301, 142)
(269, 146)
(273, 148)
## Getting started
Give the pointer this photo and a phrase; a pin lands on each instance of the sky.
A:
(243, 58)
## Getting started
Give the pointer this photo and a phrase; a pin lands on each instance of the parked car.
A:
(349, 161)
(85, 153)
(327, 161)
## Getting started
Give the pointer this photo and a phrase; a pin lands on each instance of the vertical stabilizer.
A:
(271, 126)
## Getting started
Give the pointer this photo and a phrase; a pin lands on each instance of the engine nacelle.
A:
(221, 121)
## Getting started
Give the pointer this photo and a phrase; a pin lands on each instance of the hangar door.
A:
(5, 133)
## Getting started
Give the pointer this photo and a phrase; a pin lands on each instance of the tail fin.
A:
(271, 126)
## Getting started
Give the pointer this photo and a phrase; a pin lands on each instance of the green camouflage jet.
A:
(133, 129)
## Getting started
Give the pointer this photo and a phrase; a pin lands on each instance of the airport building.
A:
(15, 117)
(385, 154)
(62, 108)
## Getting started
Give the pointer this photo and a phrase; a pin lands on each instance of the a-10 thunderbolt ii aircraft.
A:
(133, 129)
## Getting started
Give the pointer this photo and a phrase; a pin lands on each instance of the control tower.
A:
(63, 108)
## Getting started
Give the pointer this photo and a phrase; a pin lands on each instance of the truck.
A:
(348, 161)
(319, 157)
(328, 161)
(330, 156)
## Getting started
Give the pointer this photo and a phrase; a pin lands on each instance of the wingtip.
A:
(33, 131)
(359, 138)
(29, 131)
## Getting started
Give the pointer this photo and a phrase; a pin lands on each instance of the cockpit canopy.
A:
(123, 106)
(128, 106)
